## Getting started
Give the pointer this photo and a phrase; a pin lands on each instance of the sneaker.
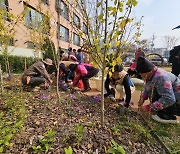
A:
(121, 100)
(166, 119)
(112, 98)
(86, 90)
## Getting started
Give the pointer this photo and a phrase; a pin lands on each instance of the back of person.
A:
(32, 70)
(80, 56)
(168, 77)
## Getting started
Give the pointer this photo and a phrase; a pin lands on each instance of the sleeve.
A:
(41, 68)
(127, 89)
(165, 91)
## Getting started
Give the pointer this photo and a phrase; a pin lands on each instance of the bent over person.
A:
(163, 90)
(83, 72)
(120, 81)
(37, 74)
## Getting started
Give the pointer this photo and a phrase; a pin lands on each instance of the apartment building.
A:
(61, 20)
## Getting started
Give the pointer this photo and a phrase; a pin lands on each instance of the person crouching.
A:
(84, 72)
(163, 90)
(122, 83)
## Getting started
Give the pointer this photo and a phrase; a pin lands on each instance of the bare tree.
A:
(169, 41)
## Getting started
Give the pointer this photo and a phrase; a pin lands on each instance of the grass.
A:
(169, 134)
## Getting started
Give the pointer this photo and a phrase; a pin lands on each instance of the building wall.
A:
(22, 34)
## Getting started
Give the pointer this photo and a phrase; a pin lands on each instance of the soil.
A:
(75, 121)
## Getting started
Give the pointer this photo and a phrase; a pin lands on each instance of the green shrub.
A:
(17, 64)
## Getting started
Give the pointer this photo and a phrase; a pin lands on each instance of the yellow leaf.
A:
(100, 17)
(55, 122)
(113, 63)
(117, 43)
(98, 4)
(110, 74)
(37, 122)
(119, 60)
(123, 24)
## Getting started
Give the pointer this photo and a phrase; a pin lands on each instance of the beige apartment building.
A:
(64, 22)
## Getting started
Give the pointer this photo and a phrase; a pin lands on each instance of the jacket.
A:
(37, 69)
(162, 88)
(81, 70)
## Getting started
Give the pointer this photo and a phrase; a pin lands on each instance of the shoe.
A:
(120, 99)
(86, 90)
(112, 98)
(168, 119)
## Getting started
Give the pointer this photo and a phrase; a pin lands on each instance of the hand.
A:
(70, 84)
(50, 81)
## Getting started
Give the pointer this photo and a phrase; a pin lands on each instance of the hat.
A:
(64, 56)
(47, 61)
(143, 65)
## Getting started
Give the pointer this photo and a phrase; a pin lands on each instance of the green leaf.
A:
(69, 150)
(1, 148)
(114, 143)
(98, 4)
(121, 150)
(134, 2)
(100, 17)
(111, 150)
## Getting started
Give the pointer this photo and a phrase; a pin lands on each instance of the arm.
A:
(127, 89)
(41, 68)
(166, 93)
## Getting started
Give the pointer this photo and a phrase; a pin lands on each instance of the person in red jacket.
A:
(84, 72)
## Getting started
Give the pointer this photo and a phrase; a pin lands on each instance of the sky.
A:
(160, 17)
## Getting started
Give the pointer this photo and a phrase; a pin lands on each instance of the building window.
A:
(85, 28)
(76, 20)
(36, 20)
(4, 9)
(63, 9)
(45, 1)
(63, 33)
(76, 39)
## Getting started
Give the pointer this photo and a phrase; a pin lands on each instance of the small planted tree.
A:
(8, 22)
(111, 30)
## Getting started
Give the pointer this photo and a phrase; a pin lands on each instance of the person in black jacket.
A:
(175, 60)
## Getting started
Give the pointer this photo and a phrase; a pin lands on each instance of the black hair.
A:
(72, 67)
(79, 50)
(69, 49)
(118, 68)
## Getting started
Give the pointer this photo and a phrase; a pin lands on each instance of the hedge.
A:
(16, 63)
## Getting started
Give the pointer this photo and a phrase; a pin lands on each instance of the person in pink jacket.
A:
(83, 72)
